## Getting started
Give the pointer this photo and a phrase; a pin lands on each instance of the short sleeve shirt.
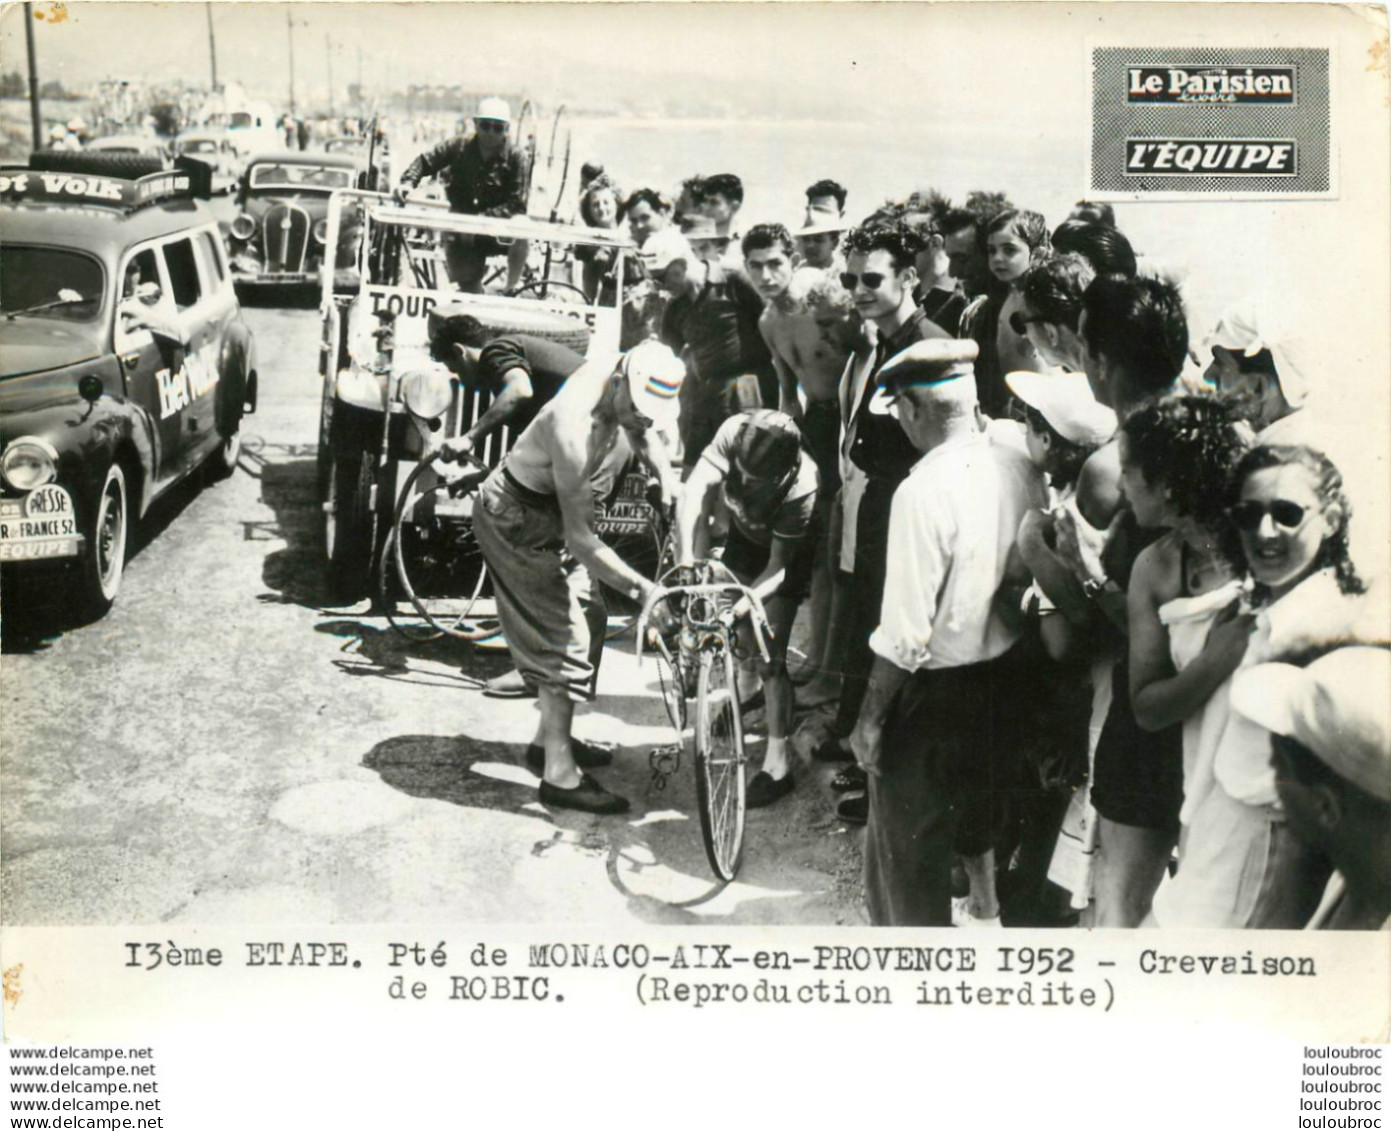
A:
(718, 329)
(546, 364)
(784, 515)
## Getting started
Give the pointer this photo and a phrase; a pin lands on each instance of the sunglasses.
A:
(1018, 320)
(1286, 515)
(489, 127)
(872, 280)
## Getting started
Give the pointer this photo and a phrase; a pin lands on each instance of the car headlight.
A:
(29, 462)
(321, 231)
(427, 393)
(243, 227)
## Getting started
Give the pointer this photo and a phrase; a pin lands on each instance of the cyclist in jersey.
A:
(754, 489)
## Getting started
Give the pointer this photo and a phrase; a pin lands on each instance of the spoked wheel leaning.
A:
(438, 566)
(719, 762)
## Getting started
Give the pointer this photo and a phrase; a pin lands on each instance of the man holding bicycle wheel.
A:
(535, 523)
(756, 481)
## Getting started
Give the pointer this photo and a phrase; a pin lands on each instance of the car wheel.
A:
(224, 459)
(348, 526)
(105, 562)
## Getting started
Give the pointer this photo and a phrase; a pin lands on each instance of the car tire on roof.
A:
(539, 324)
(105, 562)
(128, 165)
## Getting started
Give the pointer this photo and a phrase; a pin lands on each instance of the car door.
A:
(145, 337)
(196, 312)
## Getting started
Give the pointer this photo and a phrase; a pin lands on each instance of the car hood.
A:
(316, 204)
(32, 345)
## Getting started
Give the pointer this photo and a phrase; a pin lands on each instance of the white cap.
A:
(654, 377)
(1252, 325)
(493, 109)
(664, 248)
(1338, 708)
(1065, 400)
(821, 220)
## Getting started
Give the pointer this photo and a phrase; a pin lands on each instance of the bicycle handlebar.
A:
(758, 614)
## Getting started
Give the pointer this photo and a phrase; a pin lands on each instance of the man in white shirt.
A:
(933, 733)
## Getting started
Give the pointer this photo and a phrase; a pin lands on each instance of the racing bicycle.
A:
(703, 666)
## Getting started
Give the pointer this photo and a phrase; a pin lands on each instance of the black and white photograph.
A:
(534, 530)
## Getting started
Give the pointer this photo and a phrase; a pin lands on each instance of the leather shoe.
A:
(832, 751)
(587, 797)
(763, 790)
(854, 810)
(509, 686)
(586, 757)
(849, 780)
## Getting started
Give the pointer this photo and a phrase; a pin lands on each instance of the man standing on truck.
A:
(485, 176)
(535, 523)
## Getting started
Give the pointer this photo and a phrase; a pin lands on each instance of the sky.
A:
(761, 60)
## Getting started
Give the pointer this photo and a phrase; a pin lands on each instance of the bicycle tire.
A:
(719, 763)
(455, 622)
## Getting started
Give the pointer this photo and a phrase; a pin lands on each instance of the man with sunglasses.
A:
(756, 485)
(535, 523)
(485, 175)
(880, 274)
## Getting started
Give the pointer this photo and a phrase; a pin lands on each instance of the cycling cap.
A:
(768, 445)
(654, 378)
(493, 109)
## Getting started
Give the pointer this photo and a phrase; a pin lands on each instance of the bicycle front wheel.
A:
(719, 762)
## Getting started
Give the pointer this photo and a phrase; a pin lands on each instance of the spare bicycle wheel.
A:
(526, 142)
(437, 565)
(719, 763)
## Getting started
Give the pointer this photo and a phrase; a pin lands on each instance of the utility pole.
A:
(290, 33)
(212, 43)
(328, 52)
(35, 112)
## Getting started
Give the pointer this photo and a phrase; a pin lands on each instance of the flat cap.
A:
(930, 362)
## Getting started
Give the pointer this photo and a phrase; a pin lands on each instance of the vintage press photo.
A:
(266, 771)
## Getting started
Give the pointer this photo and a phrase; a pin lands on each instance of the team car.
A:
(125, 365)
(386, 407)
(279, 235)
(216, 149)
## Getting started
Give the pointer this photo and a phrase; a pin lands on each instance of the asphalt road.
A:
(223, 747)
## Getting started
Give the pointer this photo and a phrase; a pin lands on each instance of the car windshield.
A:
(48, 282)
(199, 146)
(240, 119)
(300, 176)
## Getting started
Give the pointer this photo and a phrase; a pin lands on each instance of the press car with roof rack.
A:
(387, 407)
(125, 365)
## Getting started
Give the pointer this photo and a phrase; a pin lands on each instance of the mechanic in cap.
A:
(485, 175)
(535, 523)
(933, 733)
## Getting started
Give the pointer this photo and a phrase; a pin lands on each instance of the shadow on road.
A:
(36, 609)
(655, 846)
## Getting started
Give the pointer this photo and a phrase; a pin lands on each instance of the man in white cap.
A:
(818, 238)
(535, 522)
(932, 734)
(1330, 727)
(1261, 363)
(486, 176)
(712, 320)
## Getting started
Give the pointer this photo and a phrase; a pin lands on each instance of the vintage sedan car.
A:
(386, 406)
(216, 149)
(141, 145)
(125, 365)
(278, 236)
(358, 145)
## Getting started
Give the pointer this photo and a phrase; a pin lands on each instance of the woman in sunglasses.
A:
(756, 482)
(1286, 531)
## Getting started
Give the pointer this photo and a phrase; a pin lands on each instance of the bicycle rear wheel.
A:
(719, 763)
